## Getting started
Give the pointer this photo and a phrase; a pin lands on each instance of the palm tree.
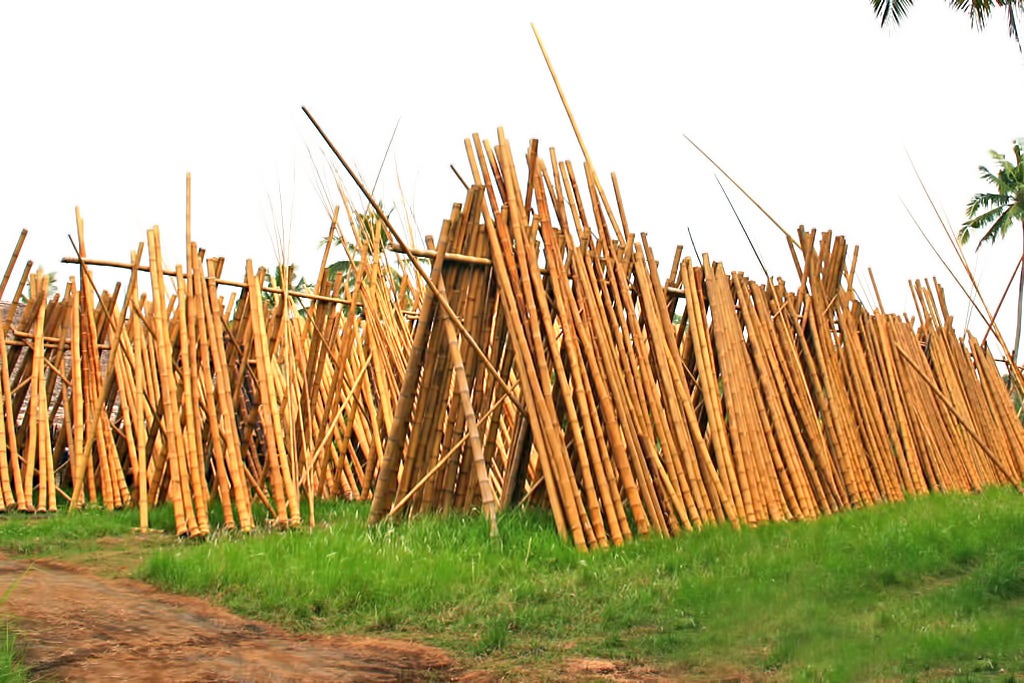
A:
(371, 237)
(278, 280)
(892, 11)
(994, 212)
(51, 289)
(372, 242)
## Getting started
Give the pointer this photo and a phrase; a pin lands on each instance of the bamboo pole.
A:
(10, 269)
(39, 427)
(282, 485)
(11, 448)
(384, 492)
(180, 486)
(142, 444)
(186, 319)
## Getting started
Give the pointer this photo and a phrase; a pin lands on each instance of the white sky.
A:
(808, 104)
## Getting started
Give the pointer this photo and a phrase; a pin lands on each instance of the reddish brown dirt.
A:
(74, 625)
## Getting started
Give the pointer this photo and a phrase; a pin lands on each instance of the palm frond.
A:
(1012, 7)
(984, 201)
(978, 10)
(342, 267)
(984, 220)
(988, 177)
(991, 235)
(963, 235)
(891, 11)
(1007, 179)
(1004, 164)
(1011, 19)
(1000, 226)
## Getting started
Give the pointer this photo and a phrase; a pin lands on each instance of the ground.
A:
(78, 620)
(76, 625)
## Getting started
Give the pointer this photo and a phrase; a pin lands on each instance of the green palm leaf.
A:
(988, 176)
(999, 227)
(891, 11)
(983, 202)
(979, 11)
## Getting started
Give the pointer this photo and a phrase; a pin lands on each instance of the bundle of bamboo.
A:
(123, 400)
(759, 404)
(547, 365)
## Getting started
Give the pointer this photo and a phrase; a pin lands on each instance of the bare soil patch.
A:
(80, 618)
(75, 625)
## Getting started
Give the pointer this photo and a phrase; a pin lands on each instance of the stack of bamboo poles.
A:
(548, 364)
(439, 372)
(186, 393)
(758, 404)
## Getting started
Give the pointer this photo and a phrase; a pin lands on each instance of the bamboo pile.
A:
(201, 388)
(549, 363)
(757, 403)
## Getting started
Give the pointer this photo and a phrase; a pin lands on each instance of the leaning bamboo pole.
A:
(13, 490)
(191, 430)
(790, 459)
(180, 491)
(387, 479)
(38, 425)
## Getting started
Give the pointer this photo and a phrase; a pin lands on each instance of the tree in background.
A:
(371, 238)
(995, 211)
(372, 242)
(50, 290)
(278, 281)
(891, 12)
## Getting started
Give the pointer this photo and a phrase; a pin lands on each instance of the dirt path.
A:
(75, 625)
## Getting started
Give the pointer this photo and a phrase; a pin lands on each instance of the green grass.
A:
(11, 669)
(929, 589)
(932, 588)
(66, 531)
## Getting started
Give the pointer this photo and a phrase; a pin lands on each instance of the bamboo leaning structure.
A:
(201, 388)
(753, 402)
(547, 361)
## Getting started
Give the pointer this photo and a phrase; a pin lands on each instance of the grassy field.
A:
(929, 589)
